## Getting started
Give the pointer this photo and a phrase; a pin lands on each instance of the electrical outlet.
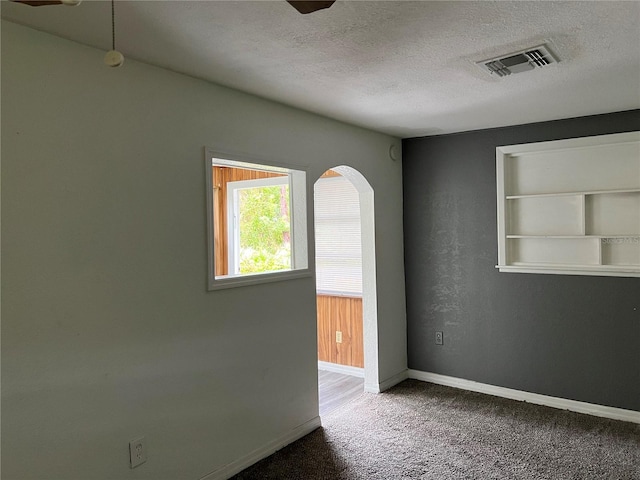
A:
(137, 451)
(439, 338)
(338, 337)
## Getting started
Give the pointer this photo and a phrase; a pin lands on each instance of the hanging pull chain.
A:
(113, 58)
(113, 25)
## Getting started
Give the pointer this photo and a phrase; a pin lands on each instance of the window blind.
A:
(338, 240)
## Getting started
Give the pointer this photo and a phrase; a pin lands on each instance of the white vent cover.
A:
(517, 62)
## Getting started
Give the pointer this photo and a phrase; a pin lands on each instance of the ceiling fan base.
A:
(44, 3)
(306, 7)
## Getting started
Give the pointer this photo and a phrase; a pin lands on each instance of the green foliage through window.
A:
(264, 224)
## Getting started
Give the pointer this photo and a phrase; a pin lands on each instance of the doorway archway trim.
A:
(369, 296)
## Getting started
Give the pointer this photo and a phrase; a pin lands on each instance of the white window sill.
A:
(233, 281)
(329, 293)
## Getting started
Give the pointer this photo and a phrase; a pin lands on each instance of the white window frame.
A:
(233, 230)
(299, 193)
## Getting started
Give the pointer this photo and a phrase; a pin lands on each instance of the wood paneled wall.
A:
(330, 173)
(340, 314)
(222, 176)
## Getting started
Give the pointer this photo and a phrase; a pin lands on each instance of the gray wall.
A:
(575, 337)
(108, 331)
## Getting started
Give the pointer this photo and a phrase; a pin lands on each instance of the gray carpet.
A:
(419, 430)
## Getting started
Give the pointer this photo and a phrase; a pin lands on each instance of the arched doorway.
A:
(344, 301)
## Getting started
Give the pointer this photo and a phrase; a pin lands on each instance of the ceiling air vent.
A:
(517, 62)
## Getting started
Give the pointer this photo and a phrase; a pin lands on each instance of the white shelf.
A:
(568, 266)
(573, 206)
(567, 194)
(632, 235)
(557, 269)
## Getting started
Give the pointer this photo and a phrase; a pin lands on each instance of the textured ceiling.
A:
(404, 68)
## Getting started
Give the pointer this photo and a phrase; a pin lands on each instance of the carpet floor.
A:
(419, 430)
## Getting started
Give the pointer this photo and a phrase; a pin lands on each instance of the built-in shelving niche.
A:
(570, 206)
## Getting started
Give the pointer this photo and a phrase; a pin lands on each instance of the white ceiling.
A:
(404, 68)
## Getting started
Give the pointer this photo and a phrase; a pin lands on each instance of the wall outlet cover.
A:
(137, 452)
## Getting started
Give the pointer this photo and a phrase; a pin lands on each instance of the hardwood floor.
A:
(336, 389)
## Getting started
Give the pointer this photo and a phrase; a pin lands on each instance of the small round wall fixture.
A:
(393, 152)
(113, 58)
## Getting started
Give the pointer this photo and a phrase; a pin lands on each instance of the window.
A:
(257, 228)
(259, 225)
(338, 237)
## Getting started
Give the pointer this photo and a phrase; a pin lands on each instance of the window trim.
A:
(233, 239)
(299, 202)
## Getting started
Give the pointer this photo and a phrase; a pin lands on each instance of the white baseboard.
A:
(561, 403)
(344, 369)
(237, 466)
(386, 384)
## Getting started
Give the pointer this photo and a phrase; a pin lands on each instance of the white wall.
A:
(108, 331)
